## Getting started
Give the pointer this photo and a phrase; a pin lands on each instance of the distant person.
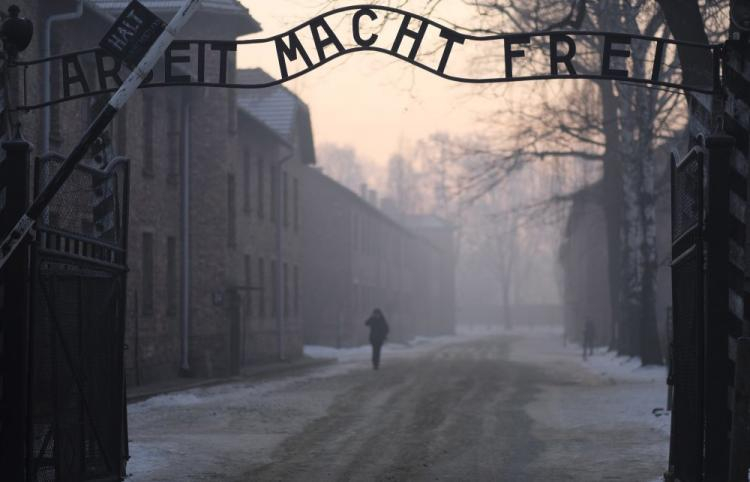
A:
(588, 338)
(378, 334)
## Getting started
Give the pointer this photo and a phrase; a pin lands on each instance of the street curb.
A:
(258, 373)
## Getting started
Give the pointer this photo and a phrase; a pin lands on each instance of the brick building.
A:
(202, 285)
(226, 241)
(357, 258)
(274, 156)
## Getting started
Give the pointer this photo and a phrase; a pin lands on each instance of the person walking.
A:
(378, 334)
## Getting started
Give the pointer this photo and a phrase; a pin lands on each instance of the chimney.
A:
(363, 191)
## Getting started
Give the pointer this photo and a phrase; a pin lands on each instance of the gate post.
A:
(725, 238)
(14, 314)
(736, 91)
(739, 465)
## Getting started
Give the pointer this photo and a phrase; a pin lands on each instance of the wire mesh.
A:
(77, 399)
(686, 441)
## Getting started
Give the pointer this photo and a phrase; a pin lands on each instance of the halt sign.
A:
(132, 34)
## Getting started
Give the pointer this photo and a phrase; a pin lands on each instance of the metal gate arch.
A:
(77, 327)
(78, 432)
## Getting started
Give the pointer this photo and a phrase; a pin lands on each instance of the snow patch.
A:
(611, 394)
(416, 346)
(621, 368)
(340, 354)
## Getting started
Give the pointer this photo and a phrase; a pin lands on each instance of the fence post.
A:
(722, 311)
(14, 313)
(739, 463)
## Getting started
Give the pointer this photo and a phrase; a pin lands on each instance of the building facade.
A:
(584, 283)
(228, 252)
(202, 250)
(357, 258)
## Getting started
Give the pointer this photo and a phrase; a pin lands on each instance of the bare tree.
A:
(404, 185)
(616, 128)
(342, 164)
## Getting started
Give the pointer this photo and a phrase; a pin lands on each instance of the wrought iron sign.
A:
(412, 38)
(132, 34)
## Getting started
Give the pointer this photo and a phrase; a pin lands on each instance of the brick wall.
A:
(150, 131)
(385, 265)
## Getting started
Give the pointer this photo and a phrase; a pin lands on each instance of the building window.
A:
(295, 195)
(246, 181)
(87, 227)
(286, 290)
(248, 286)
(171, 276)
(261, 186)
(231, 213)
(261, 288)
(285, 202)
(274, 193)
(148, 135)
(147, 274)
(296, 291)
(274, 288)
(173, 144)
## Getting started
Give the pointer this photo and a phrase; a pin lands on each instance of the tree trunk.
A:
(612, 200)
(648, 345)
(506, 311)
(650, 350)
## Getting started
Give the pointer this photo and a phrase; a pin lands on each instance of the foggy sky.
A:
(372, 102)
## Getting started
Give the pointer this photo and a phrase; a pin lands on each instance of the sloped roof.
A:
(429, 221)
(357, 200)
(274, 106)
(279, 109)
(226, 7)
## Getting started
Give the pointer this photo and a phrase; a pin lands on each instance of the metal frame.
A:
(715, 49)
(686, 443)
(73, 260)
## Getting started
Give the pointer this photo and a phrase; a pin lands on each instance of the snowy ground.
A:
(621, 401)
(170, 435)
(589, 420)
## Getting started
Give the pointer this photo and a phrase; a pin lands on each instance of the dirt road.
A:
(469, 411)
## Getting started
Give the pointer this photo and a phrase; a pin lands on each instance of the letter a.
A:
(321, 44)
(284, 51)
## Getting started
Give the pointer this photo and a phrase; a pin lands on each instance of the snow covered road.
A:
(516, 407)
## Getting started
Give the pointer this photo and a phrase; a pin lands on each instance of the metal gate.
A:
(14, 308)
(77, 425)
(686, 446)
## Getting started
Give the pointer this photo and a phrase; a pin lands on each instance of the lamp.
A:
(16, 32)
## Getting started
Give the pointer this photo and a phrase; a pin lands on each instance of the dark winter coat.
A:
(378, 328)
